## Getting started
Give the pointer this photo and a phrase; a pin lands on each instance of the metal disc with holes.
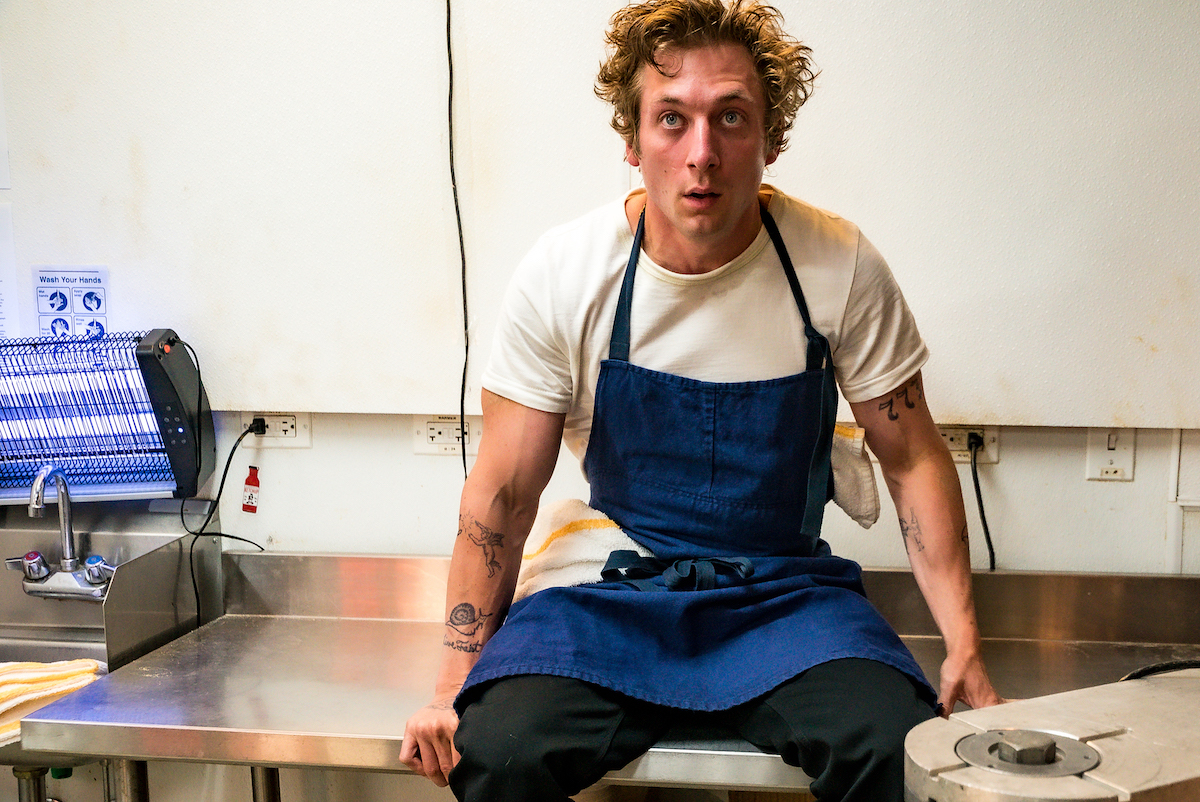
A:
(1071, 756)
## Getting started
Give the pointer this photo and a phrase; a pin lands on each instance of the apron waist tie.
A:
(638, 572)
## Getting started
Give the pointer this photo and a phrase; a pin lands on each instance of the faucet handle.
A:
(32, 564)
(97, 570)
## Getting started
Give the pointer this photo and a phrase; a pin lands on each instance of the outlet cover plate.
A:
(284, 430)
(442, 434)
(956, 440)
(1110, 454)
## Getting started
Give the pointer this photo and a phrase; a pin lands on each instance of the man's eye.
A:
(732, 118)
(670, 119)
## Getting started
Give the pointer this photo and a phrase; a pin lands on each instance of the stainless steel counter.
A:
(319, 661)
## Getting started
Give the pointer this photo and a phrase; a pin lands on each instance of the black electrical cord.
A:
(1159, 668)
(462, 249)
(212, 511)
(975, 444)
(258, 427)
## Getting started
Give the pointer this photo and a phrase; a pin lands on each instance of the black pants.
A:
(543, 739)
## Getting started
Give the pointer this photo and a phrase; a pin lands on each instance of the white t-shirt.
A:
(736, 323)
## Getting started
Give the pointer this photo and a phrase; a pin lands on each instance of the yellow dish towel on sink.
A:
(25, 687)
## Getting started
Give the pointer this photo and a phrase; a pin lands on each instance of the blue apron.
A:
(726, 484)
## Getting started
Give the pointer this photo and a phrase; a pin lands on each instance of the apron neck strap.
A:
(618, 344)
(817, 355)
(788, 269)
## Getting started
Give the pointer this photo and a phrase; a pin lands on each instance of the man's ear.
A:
(631, 156)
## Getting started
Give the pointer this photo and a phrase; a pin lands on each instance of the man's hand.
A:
(428, 747)
(964, 679)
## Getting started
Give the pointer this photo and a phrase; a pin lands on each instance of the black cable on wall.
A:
(975, 443)
(462, 250)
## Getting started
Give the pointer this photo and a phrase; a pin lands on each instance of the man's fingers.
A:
(424, 760)
(446, 758)
(428, 746)
(409, 754)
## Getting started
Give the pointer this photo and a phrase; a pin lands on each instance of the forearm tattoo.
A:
(487, 539)
(912, 533)
(963, 535)
(463, 626)
(908, 395)
(462, 645)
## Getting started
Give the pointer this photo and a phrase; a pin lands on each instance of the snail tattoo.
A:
(466, 620)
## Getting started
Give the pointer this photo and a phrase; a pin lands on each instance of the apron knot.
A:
(638, 572)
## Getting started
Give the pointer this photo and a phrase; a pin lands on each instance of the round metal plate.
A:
(1071, 756)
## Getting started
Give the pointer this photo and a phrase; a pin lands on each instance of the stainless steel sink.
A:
(149, 602)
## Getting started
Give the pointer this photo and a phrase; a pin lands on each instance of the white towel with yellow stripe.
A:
(25, 687)
(854, 487)
(569, 545)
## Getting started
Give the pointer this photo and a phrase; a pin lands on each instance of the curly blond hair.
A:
(638, 33)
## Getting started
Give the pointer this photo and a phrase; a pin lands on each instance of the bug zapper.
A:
(124, 415)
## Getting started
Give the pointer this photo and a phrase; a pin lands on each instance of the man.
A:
(700, 398)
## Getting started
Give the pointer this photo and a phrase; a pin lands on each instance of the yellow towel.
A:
(25, 687)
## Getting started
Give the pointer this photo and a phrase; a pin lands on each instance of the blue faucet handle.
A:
(97, 570)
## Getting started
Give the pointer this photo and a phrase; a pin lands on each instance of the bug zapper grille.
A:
(119, 414)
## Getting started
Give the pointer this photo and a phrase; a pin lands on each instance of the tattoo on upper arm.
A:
(912, 533)
(908, 395)
(963, 535)
(466, 621)
(487, 539)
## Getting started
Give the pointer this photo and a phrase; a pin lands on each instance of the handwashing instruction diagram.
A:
(71, 301)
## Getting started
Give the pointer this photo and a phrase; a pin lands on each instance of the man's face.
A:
(702, 148)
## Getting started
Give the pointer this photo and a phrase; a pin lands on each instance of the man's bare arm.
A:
(499, 502)
(923, 483)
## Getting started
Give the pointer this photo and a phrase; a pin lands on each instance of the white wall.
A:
(270, 179)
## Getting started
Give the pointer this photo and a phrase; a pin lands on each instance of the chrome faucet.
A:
(71, 581)
(37, 509)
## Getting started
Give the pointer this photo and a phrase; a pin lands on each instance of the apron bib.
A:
(726, 484)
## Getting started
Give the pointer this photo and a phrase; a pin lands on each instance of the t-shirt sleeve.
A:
(880, 347)
(529, 362)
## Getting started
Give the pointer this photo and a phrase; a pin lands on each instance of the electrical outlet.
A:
(444, 434)
(956, 440)
(290, 430)
(1110, 454)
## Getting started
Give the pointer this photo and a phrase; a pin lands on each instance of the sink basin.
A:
(149, 603)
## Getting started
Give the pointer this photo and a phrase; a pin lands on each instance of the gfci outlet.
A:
(958, 441)
(446, 434)
(284, 430)
(1110, 454)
